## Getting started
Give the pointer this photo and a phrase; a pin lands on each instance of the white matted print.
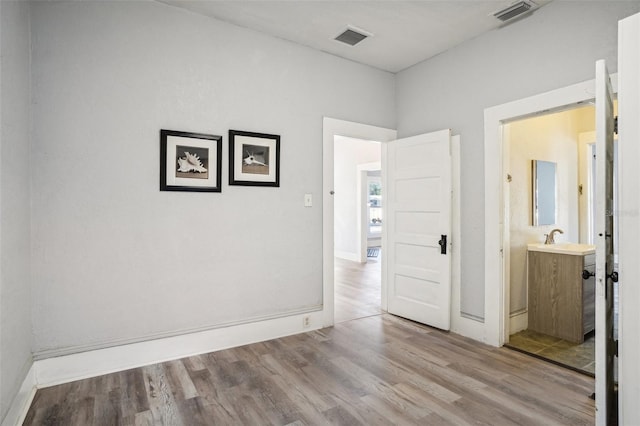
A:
(190, 161)
(254, 159)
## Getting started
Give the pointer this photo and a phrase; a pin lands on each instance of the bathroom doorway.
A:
(551, 305)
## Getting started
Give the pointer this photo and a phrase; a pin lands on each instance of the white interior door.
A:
(418, 228)
(629, 231)
(605, 344)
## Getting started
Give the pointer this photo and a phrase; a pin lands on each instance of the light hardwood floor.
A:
(357, 288)
(378, 370)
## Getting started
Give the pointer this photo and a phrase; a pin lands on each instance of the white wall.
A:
(554, 138)
(555, 47)
(15, 168)
(348, 155)
(115, 259)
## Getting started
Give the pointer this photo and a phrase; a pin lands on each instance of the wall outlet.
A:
(306, 322)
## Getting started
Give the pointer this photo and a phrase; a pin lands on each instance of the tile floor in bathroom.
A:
(579, 356)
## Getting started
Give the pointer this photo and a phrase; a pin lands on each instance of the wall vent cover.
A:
(351, 37)
(514, 10)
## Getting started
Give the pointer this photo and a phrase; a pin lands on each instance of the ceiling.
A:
(403, 32)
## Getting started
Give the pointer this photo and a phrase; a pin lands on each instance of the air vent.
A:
(351, 36)
(514, 10)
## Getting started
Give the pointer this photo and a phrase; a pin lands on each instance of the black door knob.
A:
(443, 244)
(586, 274)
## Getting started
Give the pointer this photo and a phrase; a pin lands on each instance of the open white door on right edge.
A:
(418, 228)
(605, 275)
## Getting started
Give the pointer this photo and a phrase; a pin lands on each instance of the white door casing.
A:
(330, 128)
(362, 206)
(417, 216)
(604, 246)
(495, 327)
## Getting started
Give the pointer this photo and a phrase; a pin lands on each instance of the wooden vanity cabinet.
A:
(561, 302)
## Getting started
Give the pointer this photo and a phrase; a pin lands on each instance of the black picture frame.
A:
(254, 159)
(190, 162)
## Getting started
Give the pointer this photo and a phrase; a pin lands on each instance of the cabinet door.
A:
(589, 299)
(556, 302)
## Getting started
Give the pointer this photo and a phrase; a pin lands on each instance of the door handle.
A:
(612, 276)
(443, 244)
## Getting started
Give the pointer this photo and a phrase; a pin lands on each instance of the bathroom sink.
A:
(564, 248)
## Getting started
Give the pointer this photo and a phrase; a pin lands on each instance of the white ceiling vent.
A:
(515, 10)
(353, 36)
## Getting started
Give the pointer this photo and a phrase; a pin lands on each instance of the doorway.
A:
(331, 128)
(551, 317)
(497, 297)
(496, 218)
(357, 228)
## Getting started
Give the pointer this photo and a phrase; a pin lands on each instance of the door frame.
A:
(497, 237)
(332, 127)
(361, 207)
(586, 153)
(586, 173)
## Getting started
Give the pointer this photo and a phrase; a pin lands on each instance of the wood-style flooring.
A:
(378, 370)
(357, 288)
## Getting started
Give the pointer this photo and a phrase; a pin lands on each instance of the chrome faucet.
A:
(550, 236)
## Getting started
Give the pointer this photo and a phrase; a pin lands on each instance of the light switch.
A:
(308, 200)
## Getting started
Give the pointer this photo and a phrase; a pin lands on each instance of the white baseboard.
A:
(374, 242)
(518, 322)
(70, 350)
(22, 401)
(67, 368)
(348, 256)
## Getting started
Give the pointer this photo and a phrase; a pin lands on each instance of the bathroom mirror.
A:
(543, 177)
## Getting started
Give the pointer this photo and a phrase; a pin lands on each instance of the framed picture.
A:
(254, 159)
(190, 161)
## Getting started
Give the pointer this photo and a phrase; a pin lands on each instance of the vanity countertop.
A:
(564, 248)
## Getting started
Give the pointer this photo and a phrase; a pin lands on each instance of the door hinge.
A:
(615, 347)
(615, 125)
